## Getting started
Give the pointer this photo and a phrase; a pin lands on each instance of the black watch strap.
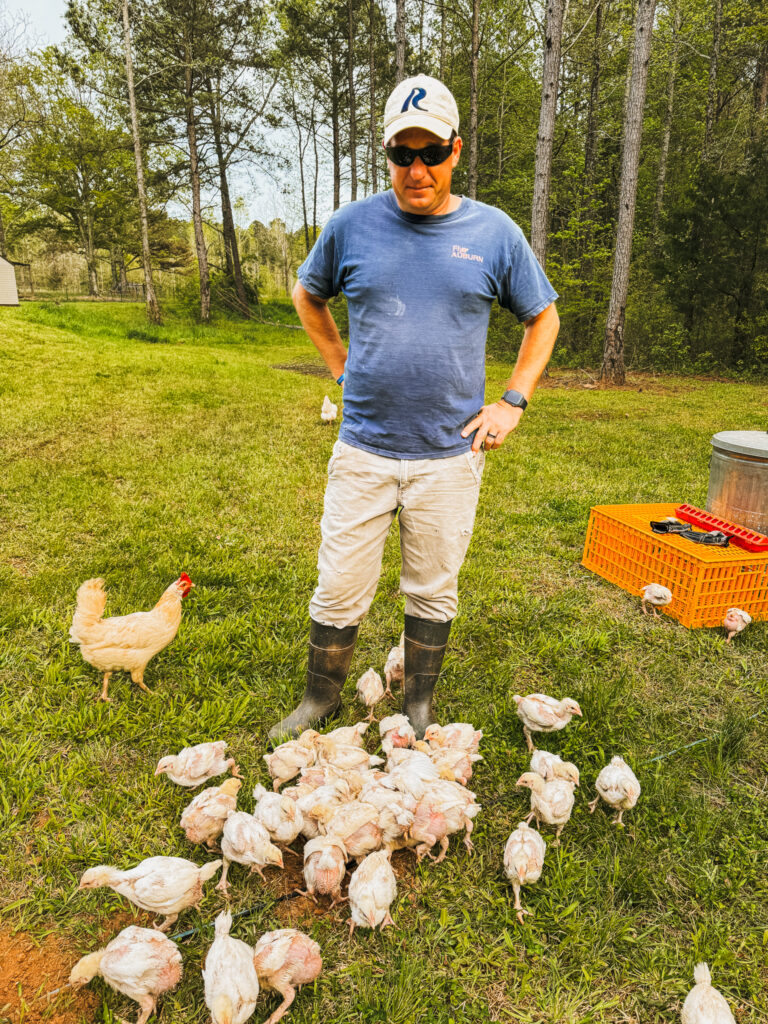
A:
(515, 398)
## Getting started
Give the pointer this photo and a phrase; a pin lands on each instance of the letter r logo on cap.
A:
(413, 98)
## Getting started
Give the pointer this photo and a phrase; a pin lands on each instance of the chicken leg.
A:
(104, 685)
(531, 745)
(518, 905)
(148, 1005)
(593, 804)
(138, 678)
(288, 993)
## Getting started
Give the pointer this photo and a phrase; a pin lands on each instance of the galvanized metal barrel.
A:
(738, 478)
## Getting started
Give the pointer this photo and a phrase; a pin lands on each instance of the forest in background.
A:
(626, 137)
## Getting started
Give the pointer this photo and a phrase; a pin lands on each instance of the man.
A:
(420, 268)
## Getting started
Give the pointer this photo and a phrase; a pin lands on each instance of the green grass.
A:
(134, 453)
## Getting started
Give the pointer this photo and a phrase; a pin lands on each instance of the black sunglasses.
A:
(403, 156)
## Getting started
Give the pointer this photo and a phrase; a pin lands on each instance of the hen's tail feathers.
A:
(209, 870)
(223, 923)
(701, 975)
(91, 602)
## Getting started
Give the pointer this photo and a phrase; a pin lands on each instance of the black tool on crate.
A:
(710, 538)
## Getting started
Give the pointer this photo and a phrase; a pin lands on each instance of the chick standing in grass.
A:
(140, 963)
(704, 1004)
(230, 979)
(279, 815)
(550, 766)
(203, 818)
(394, 667)
(193, 766)
(735, 621)
(245, 841)
(370, 690)
(551, 802)
(655, 595)
(328, 411)
(523, 861)
(285, 960)
(617, 784)
(540, 713)
(325, 864)
(288, 759)
(161, 885)
(372, 888)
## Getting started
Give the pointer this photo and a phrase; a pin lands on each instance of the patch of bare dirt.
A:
(306, 369)
(643, 382)
(30, 970)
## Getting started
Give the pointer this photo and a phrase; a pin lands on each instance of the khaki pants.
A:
(437, 499)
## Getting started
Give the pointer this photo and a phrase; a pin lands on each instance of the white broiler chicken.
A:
(287, 760)
(617, 784)
(370, 690)
(410, 771)
(735, 621)
(193, 766)
(396, 731)
(551, 766)
(444, 809)
(231, 984)
(285, 960)
(540, 713)
(325, 864)
(245, 841)
(125, 643)
(349, 734)
(454, 763)
(344, 756)
(161, 885)
(655, 595)
(704, 1004)
(396, 813)
(139, 963)
(460, 735)
(333, 794)
(355, 823)
(394, 667)
(204, 816)
(372, 888)
(551, 801)
(328, 411)
(279, 815)
(523, 861)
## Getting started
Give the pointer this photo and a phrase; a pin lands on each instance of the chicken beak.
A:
(521, 782)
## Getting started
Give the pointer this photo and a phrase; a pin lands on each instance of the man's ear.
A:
(457, 144)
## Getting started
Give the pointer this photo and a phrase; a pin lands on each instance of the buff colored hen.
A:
(204, 816)
(284, 960)
(551, 801)
(617, 784)
(540, 713)
(704, 1004)
(523, 861)
(279, 815)
(161, 885)
(125, 643)
(193, 766)
(245, 841)
(372, 888)
(370, 690)
(231, 984)
(139, 963)
(325, 864)
(287, 760)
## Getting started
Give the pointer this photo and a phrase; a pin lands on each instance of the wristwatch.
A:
(515, 399)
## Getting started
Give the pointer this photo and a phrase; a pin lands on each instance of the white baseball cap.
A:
(421, 102)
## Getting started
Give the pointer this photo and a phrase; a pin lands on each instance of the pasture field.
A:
(134, 454)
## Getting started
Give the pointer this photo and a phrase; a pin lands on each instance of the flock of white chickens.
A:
(344, 806)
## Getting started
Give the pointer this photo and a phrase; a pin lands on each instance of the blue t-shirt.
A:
(419, 291)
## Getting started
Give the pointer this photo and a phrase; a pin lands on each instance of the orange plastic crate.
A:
(705, 581)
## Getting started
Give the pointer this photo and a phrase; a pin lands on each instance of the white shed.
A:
(9, 295)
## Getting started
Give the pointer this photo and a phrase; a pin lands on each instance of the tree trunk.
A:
(197, 213)
(709, 117)
(546, 134)
(612, 371)
(372, 75)
(590, 143)
(231, 248)
(122, 276)
(153, 307)
(473, 62)
(664, 154)
(399, 40)
(442, 39)
(317, 175)
(3, 249)
(335, 133)
(352, 109)
(302, 148)
(760, 94)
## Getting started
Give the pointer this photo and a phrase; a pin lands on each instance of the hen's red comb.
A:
(184, 578)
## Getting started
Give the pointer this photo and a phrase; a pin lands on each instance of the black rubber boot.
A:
(330, 655)
(425, 643)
